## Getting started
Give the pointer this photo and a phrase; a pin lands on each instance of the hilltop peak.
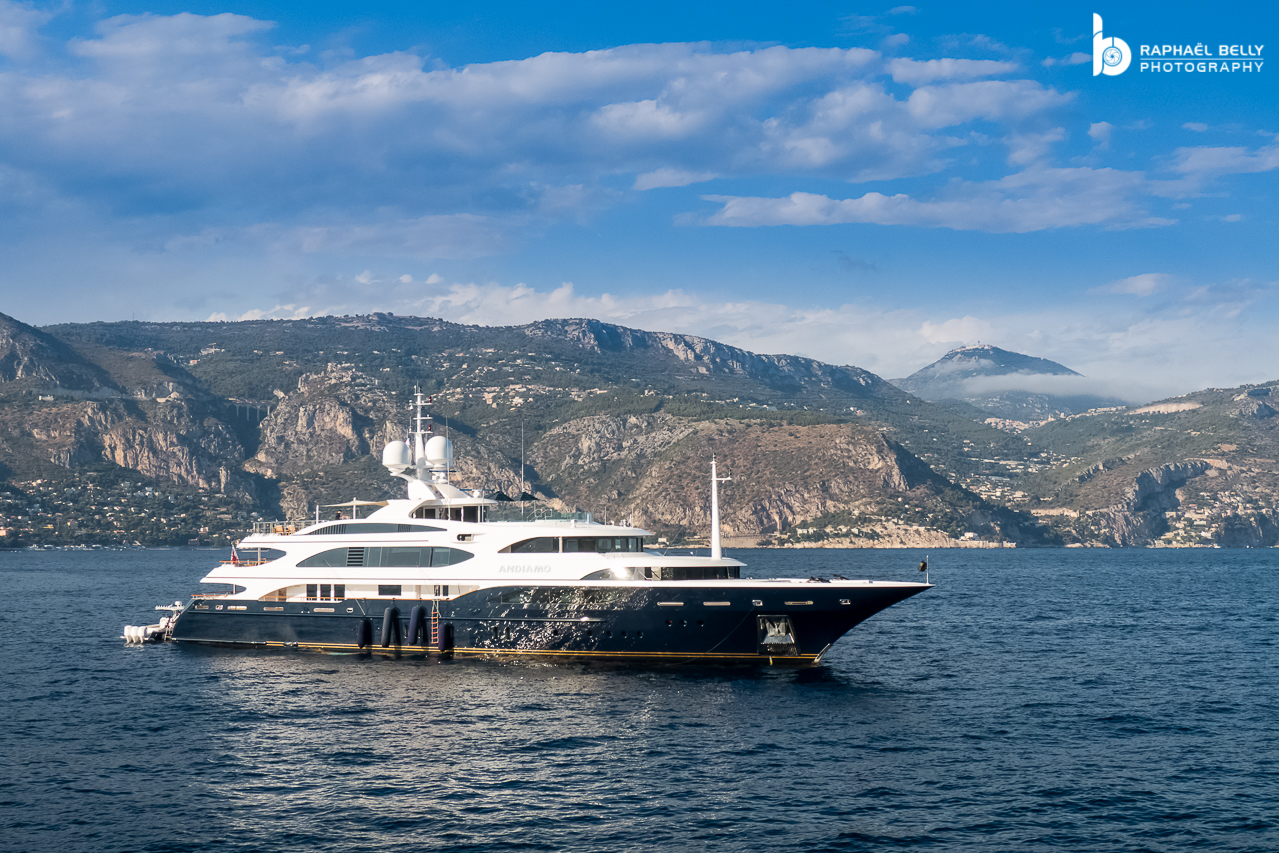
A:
(987, 360)
(1004, 383)
(30, 358)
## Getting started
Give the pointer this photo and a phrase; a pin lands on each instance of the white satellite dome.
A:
(396, 456)
(439, 452)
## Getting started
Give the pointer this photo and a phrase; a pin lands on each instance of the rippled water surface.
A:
(1035, 700)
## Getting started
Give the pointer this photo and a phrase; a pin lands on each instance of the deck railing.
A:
(279, 528)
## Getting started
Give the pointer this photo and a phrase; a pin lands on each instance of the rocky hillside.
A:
(784, 373)
(74, 407)
(654, 469)
(31, 359)
(1201, 469)
(229, 420)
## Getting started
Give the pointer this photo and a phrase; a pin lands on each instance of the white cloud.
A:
(1075, 58)
(1196, 126)
(1199, 167)
(1100, 132)
(991, 100)
(201, 116)
(1047, 383)
(649, 120)
(152, 38)
(1027, 148)
(916, 72)
(1207, 162)
(19, 23)
(956, 331)
(1146, 284)
(971, 41)
(1033, 200)
(670, 178)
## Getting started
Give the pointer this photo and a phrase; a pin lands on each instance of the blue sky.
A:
(868, 185)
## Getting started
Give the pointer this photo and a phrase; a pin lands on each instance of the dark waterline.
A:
(1036, 700)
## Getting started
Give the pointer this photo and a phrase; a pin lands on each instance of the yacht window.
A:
(339, 591)
(441, 591)
(330, 559)
(694, 573)
(540, 545)
(312, 592)
(603, 544)
(449, 556)
(389, 557)
(389, 589)
(326, 591)
(396, 557)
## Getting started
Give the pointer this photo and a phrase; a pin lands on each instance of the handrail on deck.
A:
(280, 528)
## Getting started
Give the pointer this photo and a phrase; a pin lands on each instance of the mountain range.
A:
(170, 432)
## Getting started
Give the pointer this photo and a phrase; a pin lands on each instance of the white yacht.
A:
(432, 574)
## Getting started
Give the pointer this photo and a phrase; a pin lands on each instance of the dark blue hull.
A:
(779, 623)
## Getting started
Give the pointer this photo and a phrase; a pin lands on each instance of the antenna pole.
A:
(419, 446)
(716, 550)
(421, 429)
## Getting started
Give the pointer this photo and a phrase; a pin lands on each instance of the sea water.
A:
(1035, 700)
